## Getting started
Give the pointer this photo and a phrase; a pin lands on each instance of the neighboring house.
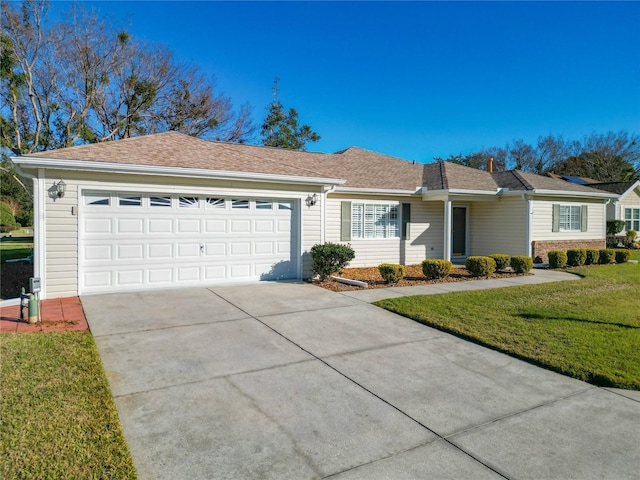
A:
(625, 207)
(170, 210)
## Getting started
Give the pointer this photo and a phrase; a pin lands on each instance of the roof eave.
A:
(568, 193)
(108, 167)
(377, 191)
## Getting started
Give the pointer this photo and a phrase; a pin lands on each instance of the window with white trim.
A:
(570, 216)
(372, 221)
(632, 218)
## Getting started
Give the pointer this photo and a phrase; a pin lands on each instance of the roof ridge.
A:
(443, 176)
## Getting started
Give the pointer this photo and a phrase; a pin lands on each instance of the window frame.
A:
(568, 219)
(633, 221)
(375, 221)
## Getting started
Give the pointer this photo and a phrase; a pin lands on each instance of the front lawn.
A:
(58, 416)
(588, 329)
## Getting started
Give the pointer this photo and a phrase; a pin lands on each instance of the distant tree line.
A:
(606, 157)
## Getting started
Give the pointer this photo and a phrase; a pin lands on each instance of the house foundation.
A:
(541, 248)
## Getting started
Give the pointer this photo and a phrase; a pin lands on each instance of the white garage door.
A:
(146, 241)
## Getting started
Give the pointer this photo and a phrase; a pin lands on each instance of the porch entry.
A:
(459, 232)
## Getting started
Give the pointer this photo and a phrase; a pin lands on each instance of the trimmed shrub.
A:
(592, 256)
(502, 261)
(631, 235)
(521, 263)
(433, 269)
(576, 257)
(329, 258)
(614, 227)
(606, 256)
(622, 256)
(391, 272)
(480, 266)
(557, 259)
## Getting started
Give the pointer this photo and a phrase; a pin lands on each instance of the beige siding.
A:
(61, 226)
(543, 220)
(425, 239)
(499, 227)
(630, 199)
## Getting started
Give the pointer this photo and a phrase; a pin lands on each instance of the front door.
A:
(459, 232)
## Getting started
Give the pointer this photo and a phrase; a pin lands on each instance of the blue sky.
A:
(413, 79)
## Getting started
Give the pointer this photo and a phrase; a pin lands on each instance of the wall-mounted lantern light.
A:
(61, 187)
(311, 200)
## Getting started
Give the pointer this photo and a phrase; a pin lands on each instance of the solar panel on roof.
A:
(576, 180)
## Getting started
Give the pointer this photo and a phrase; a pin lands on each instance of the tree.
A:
(281, 129)
(480, 160)
(85, 79)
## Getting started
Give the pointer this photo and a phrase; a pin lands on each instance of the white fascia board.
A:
(456, 191)
(376, 191)
(566, 193)
(89, 166)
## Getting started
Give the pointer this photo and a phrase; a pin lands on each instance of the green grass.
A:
(588, 329)
(15, 247)
(58, 417)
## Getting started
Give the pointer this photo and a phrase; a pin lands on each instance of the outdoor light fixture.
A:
(311, 200)
(61, 187)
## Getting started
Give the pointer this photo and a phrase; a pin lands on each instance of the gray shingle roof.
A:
(359, 167)
(614, 187)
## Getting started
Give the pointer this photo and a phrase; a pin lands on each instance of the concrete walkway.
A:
(290, 381)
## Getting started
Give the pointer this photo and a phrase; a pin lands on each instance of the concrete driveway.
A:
(289, 381)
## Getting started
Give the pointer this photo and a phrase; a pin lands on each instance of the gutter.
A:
(108, 167)
(377, 191)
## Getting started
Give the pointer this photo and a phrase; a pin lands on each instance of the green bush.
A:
(6, 216)
(622, 256)
(631, 235)
(521, 263)
(433, 269)
(502, 261)
(392, 272)
(480, 266)
(557, 259)
(576, 257)
(592, 256)
(614, 227)
(329, 258)
(606, 256)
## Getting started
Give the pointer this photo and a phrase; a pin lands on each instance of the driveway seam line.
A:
(521, 412)
(171, 327)
(216, 377)
(370, 392)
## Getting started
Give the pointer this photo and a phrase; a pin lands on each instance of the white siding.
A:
(61, 226)
(543, 220)
(499, 227)
(425, 240)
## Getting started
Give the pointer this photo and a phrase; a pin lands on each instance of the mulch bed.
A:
(14, 276)
(414, 276)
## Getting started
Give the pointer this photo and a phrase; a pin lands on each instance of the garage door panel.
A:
(143, 246)
(161, 251)
(215, 226)
(160, 275)
(188, 274)
(98, 252)
(130, 252)
(188, 250)
(215, 249)
(130, 277)
(160, 225)
(97, 226)
(130, 225)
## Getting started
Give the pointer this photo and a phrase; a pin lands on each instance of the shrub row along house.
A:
(170, 210)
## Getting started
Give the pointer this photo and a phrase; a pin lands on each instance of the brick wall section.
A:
(541, 248)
